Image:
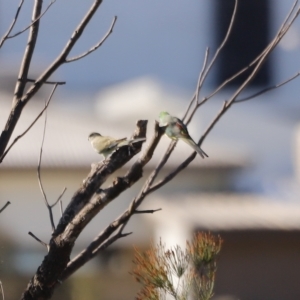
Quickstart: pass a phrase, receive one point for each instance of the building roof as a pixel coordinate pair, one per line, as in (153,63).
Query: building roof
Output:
(218,212)
(69,124)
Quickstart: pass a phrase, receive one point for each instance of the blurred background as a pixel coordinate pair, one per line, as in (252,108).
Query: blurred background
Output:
(248,189)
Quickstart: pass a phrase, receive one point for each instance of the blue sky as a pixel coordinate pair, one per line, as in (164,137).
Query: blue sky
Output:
(156,38)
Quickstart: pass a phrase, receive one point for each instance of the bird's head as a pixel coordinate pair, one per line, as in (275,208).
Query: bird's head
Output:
(163,118)
(93,135)
(162,114)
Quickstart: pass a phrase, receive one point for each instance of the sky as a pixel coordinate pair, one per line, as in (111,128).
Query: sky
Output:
(165,40)
(162,39)
(153,38)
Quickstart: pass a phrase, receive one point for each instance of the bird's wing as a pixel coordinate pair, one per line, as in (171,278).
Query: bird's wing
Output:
(113,143)
(183,129)
(121,142)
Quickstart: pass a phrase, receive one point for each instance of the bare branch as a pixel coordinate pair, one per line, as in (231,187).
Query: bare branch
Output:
(226,106)
(37,239)
(97,45)
(187,161)
(26,28)
(207,70)
(279,32)
(203,74)
(49,207)
(106,195)
(2,290)
(59,198)
(30,126)
(221,46)
(61,207)
(147,211)
(61,59)
(4,206)
(33,34)
(40,161)
(48,82)
(21,100)
(64,237)
(148,187)
(12,24)
(268,89)
(260,60)
(196,95)
(81,202)
(18,105)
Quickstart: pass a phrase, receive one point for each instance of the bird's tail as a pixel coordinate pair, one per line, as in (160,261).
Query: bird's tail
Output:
(195,147)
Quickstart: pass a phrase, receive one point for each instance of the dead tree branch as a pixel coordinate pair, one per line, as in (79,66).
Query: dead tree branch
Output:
(31,125)
(73,221)
(104,197)
(204,74)
(4,206)
(49,207)
(18,105)
(3,39)
(38,240)
(8,36)
(268,89)
(227,104)
(291,17)
(97,45)
(21,99)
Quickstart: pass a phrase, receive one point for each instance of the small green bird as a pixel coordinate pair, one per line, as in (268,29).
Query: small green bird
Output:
(106,145)
(176,129)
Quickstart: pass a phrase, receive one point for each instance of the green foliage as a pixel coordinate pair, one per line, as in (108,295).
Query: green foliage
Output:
(178,272)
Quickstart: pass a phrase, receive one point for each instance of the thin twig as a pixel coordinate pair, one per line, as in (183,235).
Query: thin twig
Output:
(49,207)
(223,84)
(26,61)
(30,126)
(4,206)
(217,53)
(232,100)
(191,157)
(59,198)
(97,45)
(147,211)
(148,187)
(268,89)
(38,240)
(47,82)
(130,177)
(112,239)
(18,105)
(2,290)
(12,24)
(21,100)
(229,30)
(61,207)
(37,19)
(39,174)
(202,77)
(207,70)
(196,95)
(61,59)
(109,241)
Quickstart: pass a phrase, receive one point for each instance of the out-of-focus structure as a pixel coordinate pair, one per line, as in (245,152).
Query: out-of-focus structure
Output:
(247,191)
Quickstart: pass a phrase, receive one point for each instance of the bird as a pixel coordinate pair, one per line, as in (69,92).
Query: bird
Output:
(175,129)
(106,145)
